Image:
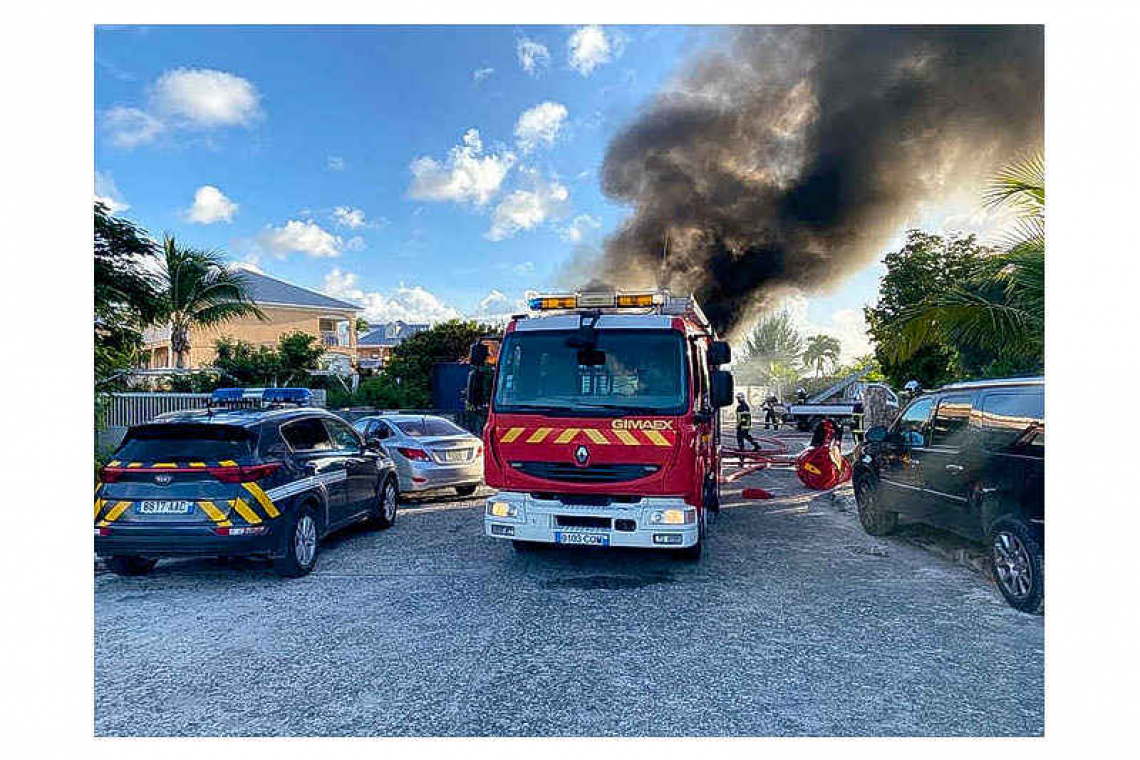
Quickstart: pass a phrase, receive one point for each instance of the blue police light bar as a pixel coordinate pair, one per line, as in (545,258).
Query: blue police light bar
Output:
(228,394)
(287,395)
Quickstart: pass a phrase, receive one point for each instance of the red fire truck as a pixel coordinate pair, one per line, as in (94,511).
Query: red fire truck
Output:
(603,425)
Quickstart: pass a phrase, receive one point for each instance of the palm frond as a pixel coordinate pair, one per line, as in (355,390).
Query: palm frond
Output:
(1020,184)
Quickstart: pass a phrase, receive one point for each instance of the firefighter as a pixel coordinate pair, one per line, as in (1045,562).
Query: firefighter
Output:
(770,413)
(744,424)
(801,396)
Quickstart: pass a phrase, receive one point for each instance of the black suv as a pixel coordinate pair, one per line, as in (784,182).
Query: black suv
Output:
(969,458)
(258,481)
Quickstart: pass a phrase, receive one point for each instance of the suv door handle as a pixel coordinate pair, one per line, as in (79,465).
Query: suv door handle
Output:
(954,469)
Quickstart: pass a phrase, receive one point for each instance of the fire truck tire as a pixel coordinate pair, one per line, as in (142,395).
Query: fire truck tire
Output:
(526,547)
(876,520)
(130,565)
(693,553)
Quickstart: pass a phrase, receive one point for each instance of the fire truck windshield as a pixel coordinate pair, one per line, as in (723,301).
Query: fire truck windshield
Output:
(627,372)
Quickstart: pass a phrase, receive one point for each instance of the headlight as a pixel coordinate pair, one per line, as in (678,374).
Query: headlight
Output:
(673,517)
(503,509)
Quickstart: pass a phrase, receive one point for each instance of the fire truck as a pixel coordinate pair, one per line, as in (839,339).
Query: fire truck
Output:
(603,422)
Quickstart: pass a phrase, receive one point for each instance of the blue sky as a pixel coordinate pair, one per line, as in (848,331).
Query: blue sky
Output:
(424,172)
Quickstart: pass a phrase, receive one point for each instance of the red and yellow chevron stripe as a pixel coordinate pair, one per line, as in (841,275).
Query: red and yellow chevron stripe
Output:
(599,436)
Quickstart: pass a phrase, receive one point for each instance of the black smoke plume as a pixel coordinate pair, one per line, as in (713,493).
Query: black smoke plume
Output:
(788,156)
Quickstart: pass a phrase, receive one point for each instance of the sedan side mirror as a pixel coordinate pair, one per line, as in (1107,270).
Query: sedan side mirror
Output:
(721,387)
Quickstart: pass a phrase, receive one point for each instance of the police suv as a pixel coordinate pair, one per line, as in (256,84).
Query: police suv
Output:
(254,474)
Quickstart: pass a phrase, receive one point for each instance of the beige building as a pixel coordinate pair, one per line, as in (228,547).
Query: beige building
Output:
(288,308)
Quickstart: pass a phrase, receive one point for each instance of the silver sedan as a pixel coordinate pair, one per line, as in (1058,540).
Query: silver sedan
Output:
(430,452)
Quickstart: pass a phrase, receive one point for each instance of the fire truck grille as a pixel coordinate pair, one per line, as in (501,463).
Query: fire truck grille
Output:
(597,473)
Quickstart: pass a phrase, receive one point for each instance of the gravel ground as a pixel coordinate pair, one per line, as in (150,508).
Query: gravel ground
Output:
(794,623)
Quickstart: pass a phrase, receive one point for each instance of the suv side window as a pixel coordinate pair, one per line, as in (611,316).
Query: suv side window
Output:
(913,420)
(1014,421)
(951,422)
(343,436)
(306,434)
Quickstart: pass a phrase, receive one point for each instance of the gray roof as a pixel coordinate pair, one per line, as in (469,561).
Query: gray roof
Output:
(265,289)
(390,334)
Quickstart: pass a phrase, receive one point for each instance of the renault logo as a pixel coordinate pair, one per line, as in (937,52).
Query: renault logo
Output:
(581,456)
(163,480)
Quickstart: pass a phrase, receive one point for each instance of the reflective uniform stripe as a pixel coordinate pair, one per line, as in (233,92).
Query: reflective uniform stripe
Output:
(538,436)
(566,435)
(596,436)
(214,513)
(512,434)
(114,512)
(656,438)
(244,510)
(626,437)
(265,502)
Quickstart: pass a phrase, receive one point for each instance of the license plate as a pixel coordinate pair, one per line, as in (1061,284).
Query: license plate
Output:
(582,539)
(165,507)
(455,456)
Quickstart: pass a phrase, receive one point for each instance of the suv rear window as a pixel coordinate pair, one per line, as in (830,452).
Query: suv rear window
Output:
(428,426)
(185,443)
(1013,421)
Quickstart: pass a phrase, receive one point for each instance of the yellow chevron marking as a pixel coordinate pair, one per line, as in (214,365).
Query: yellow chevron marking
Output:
(512,434)
(566,435)
(99,507)
(538,436)
(626,437)
(246,513)
(265,502)
(212,511)
(98,486)
(113,463)
(135,464)
(197,464)
(656,438)
(164,464)
(228,463)
(114,512)
(596,436)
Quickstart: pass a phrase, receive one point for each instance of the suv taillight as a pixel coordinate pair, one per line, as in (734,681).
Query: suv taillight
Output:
(110,474)
(244,473)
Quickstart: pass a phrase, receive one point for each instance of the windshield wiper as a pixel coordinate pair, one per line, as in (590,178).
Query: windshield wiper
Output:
(621,408)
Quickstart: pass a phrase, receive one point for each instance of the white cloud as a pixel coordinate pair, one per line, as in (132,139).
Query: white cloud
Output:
(525,268)
(526,209)
(300,237)
(577,230)
(533,56)
(539,125)
(131,126)
(590,47)
(408,303)
(207,98)
(480,74)
(494,301)
(211,205)
(355,244)
(108,194)
(249,263)
(466,175)
(353,218)
(336,164)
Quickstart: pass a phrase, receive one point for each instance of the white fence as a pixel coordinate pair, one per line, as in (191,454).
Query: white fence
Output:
(126,409)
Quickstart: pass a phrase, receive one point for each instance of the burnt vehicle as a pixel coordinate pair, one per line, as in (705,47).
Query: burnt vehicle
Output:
(267,478)
(968,458)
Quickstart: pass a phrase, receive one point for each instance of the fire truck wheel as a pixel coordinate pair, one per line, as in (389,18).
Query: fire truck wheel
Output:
(526,547)
(876,520)
(130,565)
(693,553)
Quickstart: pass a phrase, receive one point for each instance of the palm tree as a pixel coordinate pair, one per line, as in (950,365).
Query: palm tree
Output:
(1000,308)
(822,351)
(198,290)
(771,350)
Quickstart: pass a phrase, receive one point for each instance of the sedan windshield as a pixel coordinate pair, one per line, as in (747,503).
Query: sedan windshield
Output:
(626,371)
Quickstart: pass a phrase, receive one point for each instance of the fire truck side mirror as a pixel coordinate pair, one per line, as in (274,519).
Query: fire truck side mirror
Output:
(476,398)
(719,353)
(721,387)
(478,354)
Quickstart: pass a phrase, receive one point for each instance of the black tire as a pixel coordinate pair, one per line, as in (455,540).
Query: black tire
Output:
(466,490)
(1019,565)
(303,528)
(130,565)
(526,547)
(693,553)
(387,504)
(875,519)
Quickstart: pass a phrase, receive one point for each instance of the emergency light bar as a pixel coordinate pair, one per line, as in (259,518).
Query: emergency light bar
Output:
(299,396)
(637,300)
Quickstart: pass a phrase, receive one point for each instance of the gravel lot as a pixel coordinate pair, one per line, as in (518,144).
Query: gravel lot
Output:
(794,623)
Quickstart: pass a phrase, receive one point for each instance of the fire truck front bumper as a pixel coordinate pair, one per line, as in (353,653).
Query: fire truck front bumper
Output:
(658,522)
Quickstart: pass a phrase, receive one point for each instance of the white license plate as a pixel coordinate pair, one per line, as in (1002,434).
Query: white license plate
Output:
(582,539)
(455,456)
(165,507)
